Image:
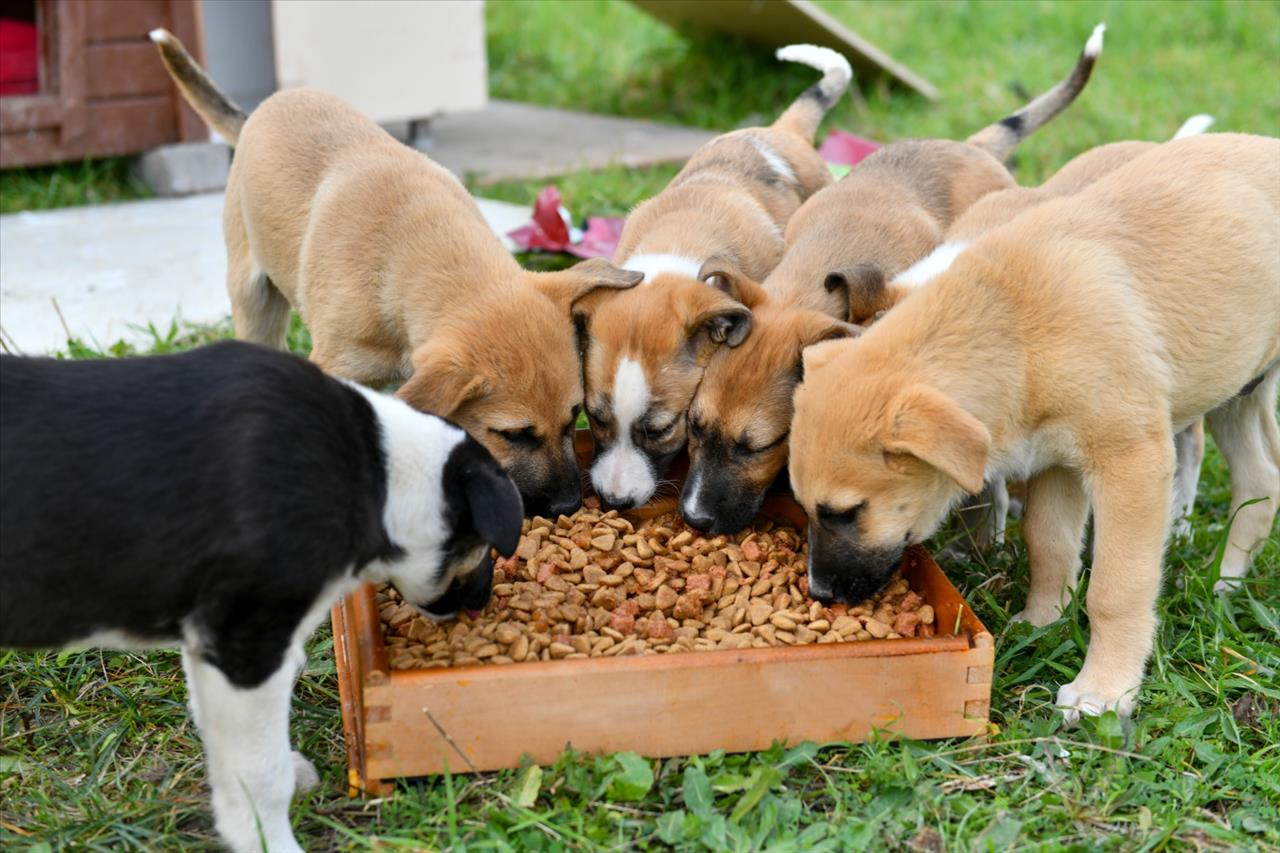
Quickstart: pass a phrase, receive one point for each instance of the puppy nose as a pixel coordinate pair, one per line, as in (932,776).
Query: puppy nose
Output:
(697,520)
(565,505)
(620,504)
(820,590)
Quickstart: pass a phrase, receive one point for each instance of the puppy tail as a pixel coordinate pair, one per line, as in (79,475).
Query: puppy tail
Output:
(805,114)
(1002,137)
(217,110)
(1194,126)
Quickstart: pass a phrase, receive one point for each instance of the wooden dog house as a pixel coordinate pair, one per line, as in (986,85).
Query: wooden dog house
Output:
(99,90)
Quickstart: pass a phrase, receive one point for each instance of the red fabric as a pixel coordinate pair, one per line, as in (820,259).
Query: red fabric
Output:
(19,58)
(845,148)
(550,230)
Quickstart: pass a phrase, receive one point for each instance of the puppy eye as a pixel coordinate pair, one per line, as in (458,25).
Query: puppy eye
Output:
(525,436)
(666,432)
(836,518)
(596,417)
(697,429)
(745,448)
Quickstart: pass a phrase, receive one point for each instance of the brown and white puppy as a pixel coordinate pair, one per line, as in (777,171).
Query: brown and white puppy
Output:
(721,217)
(1066,347)
(985,518)
(887,213)
(393,269)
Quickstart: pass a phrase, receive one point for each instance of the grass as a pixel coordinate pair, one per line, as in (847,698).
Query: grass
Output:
(97,751)
(68,185)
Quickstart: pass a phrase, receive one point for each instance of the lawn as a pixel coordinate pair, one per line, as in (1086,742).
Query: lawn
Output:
(97,751)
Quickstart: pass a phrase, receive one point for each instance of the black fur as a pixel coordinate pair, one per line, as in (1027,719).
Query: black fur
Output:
(1251,385)
(842,570)
(1014,123)
(219,489)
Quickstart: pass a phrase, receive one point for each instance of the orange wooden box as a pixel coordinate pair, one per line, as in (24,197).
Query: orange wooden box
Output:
(404,723)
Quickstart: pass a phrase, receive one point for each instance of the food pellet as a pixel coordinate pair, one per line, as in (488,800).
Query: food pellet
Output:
(599,584)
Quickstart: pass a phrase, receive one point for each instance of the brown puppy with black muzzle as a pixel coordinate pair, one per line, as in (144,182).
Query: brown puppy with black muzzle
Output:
(721,217)
(887,213)
(1066,347)
(395,272)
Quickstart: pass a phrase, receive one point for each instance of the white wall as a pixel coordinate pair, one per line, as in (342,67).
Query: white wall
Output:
(394,60)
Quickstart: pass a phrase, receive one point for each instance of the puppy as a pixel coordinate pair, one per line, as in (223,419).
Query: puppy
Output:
(985,518)
(1066,347)
(888,212)
(397,276)
(721,217)
(222,500)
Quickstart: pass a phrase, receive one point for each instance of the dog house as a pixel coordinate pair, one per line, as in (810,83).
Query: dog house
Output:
(79,78)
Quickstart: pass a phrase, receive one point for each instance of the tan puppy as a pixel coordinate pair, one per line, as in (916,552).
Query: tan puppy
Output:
(1067,347)
(393,269)
(986,516)
(888,212)
(723,215)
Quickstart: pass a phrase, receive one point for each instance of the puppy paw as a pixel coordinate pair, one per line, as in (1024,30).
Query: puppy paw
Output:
(305,776)
(1227,586)
(1037,617)
(1079,698)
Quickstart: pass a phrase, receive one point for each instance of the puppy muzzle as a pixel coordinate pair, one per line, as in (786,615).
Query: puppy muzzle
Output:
(468,593)
(842,570)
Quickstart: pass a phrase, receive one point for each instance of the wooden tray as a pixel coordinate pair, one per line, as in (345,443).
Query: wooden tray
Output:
(403,723)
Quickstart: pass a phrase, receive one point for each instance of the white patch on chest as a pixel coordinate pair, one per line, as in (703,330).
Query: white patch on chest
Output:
(113,638)
(653,265)
(621,474)
(417,447)
(775,160)
(1042,449)
(932,265)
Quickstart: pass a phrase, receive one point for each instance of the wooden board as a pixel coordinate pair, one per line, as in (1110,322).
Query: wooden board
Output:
(406,723)
(776,23)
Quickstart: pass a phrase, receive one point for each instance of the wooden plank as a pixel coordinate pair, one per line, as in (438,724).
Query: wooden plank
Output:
(186,21)
(124,69)
(22,113)
(665,705)
(118,127)
(71,71)
(775,23)
(111,20)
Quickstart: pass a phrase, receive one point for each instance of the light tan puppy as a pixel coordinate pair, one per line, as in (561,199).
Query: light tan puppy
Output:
(887,213)
(397,276)
(1066,347)
(985,518)
(722,216)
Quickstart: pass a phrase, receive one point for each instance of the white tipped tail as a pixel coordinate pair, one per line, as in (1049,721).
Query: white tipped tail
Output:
(1194,126)
(1093,46)
(836,72)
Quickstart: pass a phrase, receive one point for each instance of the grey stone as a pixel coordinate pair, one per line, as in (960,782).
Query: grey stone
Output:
(512,141)
(186,168)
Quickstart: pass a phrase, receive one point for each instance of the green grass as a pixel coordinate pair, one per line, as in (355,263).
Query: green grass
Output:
(69,184)
(97,751)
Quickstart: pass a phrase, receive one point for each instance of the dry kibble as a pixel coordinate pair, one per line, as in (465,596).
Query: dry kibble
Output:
(597,584)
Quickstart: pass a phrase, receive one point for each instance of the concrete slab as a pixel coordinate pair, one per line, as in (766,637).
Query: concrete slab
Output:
(512,141)
(113,268)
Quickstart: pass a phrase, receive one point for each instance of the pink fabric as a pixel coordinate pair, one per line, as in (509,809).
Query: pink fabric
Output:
(551,231)
(846,149)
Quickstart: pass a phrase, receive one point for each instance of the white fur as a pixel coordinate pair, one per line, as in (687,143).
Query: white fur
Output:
(774,159)
(932,265)
(417,446)
(836,72)
(158,35)
(1093,46)
(621,474)
(116,639)
(653,265)
(1194,126)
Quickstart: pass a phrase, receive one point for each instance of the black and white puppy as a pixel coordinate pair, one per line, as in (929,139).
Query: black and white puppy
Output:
(221,500)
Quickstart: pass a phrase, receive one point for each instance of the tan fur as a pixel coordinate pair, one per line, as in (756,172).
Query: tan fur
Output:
(1001,207)
(1080,336)
(726,210)
(396,274)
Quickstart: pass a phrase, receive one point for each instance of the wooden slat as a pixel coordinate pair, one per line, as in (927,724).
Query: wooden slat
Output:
(111,20)
(675,704)
(71,82)
(22,113)
(118,127)
(123,69)
(186,21)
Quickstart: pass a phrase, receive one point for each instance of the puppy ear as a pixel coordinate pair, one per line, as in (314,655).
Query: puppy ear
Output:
(712,321)
(930,426)
(441,382)
(566,287)
(724,274)
(494,501)
(814,327)
(864,290)
(817,356)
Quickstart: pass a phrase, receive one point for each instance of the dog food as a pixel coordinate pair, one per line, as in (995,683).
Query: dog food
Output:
(600,584)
